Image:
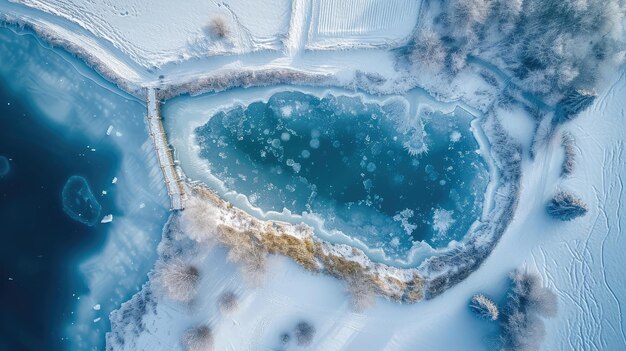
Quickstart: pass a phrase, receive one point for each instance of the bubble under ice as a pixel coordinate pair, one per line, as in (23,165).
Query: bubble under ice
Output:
(79,202)
(5,167)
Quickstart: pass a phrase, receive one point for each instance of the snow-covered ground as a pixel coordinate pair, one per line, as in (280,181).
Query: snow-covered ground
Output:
(147,46)
(145,31)
(580,260)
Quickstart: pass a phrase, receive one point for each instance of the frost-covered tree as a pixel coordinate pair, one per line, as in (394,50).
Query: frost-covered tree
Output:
(198,338)
(573,103)
(304,333)
(218,28)
(550,47)
(178,279)
(566,207)
(484,307)
(428,51)
(528,303)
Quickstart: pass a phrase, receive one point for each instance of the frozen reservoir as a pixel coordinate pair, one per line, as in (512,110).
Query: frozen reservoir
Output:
(369,169)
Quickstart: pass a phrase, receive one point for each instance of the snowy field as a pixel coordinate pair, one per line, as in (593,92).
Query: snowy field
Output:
(146,33)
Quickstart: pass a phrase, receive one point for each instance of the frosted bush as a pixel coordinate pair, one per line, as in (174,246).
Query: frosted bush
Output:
(199,220)
(178,279)
(566,207)
(198,339)
(484,307)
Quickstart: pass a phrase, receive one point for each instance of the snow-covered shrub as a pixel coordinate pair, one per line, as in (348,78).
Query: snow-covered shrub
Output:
(484,307)
(198,338)
(528,303)
(228,302)
(566,207)
(218,28)
(304,333)
(569,147)
(199,220)
(178,279)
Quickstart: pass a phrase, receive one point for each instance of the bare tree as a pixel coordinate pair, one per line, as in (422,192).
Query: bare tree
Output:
(178,279)
(304,333)
(218,28)
(198,338)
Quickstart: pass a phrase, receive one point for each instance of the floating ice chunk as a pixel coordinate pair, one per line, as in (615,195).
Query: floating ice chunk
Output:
(286,111)
(109,130)
(107,219)
(305,154)
(5,166)
(314,143)
(442,220)
(371,167)
(79,202)
(296,167)
(96,307)
(118,134)
(104,192)
(455,136)
(395,242)
(403,217)
(142,205)
(285,136)
(114,180)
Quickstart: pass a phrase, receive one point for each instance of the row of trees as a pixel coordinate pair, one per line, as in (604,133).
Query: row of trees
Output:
(547,45)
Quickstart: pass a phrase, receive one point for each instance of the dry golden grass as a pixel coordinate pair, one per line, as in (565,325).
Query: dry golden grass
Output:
(341,267)
(415,289)
(243,247)
(300,250)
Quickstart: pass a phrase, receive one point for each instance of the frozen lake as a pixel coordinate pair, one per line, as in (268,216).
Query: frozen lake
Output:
(391,173)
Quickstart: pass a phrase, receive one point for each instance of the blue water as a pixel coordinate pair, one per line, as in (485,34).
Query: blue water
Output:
(364,167)
(41,244)
(55,113)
